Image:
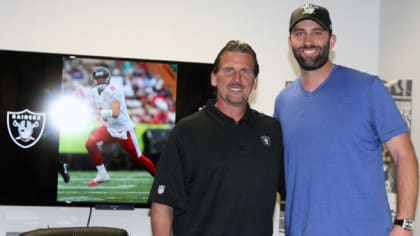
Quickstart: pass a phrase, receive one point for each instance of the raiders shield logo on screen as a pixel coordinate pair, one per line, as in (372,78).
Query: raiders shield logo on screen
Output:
(25,127)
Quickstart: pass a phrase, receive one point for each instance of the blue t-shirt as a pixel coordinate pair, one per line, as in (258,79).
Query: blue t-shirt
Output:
(333,154)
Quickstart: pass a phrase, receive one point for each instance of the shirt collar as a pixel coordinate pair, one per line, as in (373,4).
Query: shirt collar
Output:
(223,119)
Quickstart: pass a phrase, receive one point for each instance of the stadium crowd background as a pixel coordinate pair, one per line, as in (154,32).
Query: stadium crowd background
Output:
(149,87)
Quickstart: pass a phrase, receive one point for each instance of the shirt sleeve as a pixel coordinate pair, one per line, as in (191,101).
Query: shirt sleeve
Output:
(169,185)
(386,116)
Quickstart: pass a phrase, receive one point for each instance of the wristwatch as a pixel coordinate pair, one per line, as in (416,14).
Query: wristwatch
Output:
(407,224)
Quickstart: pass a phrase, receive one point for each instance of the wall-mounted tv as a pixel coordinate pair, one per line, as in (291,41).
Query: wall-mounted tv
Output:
(46,115)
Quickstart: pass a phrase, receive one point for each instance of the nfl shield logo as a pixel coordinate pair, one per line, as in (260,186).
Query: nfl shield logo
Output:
(25,127)
(266,140)
(161,189)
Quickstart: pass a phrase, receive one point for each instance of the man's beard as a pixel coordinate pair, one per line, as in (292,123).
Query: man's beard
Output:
(317,62)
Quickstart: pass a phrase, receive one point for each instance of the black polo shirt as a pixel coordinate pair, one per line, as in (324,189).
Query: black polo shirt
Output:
(220,176)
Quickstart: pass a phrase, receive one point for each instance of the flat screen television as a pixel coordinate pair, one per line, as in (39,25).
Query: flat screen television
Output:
(46,116)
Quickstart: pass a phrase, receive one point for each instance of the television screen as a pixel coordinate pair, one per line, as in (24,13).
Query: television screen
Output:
(48,113)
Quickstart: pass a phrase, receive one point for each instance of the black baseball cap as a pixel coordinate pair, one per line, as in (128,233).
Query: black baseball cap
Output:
(313,12)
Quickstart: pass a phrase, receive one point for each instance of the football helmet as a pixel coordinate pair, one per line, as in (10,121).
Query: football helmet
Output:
(101,72)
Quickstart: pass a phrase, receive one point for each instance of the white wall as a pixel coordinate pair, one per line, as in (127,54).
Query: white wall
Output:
(185,30)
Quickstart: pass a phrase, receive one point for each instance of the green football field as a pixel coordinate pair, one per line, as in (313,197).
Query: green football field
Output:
(123,187)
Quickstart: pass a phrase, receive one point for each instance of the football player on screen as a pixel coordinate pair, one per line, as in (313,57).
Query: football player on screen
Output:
(117,126)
